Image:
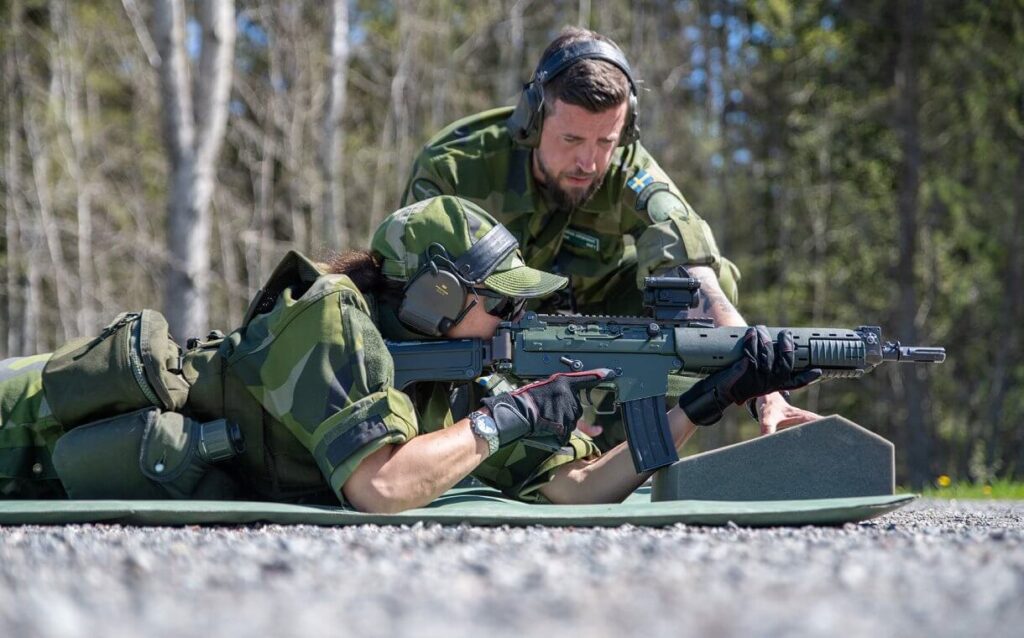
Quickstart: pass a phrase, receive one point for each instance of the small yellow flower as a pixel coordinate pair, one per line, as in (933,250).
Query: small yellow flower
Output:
(987,490)
(944,481)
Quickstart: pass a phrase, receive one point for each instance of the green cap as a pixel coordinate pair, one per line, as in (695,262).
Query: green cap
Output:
(404,238)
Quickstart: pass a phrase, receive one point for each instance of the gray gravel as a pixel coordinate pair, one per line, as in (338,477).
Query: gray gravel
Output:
(934,568)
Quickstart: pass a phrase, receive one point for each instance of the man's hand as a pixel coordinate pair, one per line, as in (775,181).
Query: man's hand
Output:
(775,413)
(550,407)
(765,367)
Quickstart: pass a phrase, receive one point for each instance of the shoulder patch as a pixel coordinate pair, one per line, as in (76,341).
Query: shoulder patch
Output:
(640,180)
(660,203)
(424,188)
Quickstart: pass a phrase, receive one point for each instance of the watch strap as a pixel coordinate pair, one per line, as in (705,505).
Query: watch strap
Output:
(484,427)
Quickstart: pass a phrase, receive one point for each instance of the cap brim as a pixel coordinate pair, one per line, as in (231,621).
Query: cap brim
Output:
(525,282)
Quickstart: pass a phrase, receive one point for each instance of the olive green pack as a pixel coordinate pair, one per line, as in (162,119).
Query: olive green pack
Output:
(132,364)
(147,454)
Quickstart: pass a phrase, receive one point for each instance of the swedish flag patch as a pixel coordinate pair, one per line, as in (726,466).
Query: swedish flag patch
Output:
(638,181)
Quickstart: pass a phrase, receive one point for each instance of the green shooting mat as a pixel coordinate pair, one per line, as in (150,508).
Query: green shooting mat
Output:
(457,507)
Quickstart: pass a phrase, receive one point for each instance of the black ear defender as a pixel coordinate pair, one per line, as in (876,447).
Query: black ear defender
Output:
(433,301)
(435,298)
(525,123)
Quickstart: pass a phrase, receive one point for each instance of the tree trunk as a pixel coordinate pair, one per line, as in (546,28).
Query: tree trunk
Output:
(335,223)
(583,20)
(70,75)
(389,162)
(193,130)
(1009,349)
(46,223)
(14,285)
(512,54)
(906,85)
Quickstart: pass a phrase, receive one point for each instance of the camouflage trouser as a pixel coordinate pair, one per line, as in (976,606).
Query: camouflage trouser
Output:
(28,431)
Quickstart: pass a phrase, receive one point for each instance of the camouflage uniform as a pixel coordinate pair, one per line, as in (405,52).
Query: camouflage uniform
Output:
(309,382)
(607,246)
(28,431)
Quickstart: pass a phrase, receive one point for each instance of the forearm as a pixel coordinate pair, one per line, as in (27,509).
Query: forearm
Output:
(611,477)
(713,301)
(413,474)
(773,410)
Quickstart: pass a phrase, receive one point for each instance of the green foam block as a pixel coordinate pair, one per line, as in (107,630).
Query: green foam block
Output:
(824,459)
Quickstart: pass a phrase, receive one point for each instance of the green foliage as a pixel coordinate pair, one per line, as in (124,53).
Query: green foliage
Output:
(997,490)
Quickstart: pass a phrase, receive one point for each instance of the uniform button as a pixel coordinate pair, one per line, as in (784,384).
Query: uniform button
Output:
(37,468)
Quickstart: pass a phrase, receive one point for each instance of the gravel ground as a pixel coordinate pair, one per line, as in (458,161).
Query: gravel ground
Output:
(934,568)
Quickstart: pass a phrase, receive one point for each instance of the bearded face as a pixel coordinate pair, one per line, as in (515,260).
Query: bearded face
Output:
(575,151)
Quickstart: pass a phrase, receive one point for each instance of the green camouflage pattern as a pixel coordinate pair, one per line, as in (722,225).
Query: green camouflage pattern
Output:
(476,159)
(406,235)
(316,367)
(28,430)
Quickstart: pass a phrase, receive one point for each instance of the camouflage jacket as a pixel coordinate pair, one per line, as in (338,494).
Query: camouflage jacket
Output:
(311,384)
(475,158)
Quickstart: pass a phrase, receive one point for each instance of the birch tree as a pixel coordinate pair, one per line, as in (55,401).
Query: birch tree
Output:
(335,222)
(194,117)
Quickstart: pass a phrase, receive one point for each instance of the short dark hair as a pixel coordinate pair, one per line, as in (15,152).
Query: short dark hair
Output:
(595,85)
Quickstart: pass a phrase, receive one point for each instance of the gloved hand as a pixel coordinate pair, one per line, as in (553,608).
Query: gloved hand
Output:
(765,367)
(547,407)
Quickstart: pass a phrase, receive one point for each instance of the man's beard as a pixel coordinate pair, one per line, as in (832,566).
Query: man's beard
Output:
(564,199)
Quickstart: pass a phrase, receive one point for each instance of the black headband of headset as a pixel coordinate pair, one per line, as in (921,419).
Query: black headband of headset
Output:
(485,255)
(587,49)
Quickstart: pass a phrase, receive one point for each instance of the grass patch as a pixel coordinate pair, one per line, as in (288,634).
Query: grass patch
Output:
(944,488)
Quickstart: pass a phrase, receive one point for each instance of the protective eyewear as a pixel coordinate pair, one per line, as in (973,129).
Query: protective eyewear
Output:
(498,305)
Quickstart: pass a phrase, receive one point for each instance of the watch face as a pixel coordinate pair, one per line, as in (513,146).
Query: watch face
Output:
(484,427)
(485,424)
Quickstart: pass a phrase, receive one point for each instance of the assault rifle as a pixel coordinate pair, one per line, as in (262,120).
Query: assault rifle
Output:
(642,351)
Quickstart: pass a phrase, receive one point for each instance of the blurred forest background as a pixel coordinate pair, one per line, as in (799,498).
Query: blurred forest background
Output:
(861,161)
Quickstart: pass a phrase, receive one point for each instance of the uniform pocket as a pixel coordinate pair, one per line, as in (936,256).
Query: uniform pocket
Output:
(146,454)
(132,364)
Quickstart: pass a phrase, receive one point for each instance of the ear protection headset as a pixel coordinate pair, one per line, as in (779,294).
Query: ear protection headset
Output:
(526,120)
(435,297)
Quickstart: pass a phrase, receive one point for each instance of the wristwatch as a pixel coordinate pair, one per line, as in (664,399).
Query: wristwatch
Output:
(483,426)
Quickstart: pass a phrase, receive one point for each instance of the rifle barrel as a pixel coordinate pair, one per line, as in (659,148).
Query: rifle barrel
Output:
(913,354)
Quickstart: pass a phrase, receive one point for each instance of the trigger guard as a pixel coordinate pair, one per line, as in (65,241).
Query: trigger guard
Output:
(590,402)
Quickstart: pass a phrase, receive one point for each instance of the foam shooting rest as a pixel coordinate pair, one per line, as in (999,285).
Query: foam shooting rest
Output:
(824,459)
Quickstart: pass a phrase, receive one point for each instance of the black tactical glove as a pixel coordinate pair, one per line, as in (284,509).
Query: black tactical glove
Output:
(547,407)
(765,367)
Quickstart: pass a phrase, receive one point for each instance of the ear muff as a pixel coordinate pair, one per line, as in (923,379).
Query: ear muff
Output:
(631,129)
(433,301)
(435,297)
(526,122)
